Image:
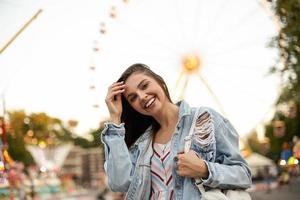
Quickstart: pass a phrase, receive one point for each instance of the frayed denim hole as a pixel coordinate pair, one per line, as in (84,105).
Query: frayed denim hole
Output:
(204,130)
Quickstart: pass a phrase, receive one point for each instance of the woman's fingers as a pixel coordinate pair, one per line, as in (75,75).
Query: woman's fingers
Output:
(190,165)
(114,93)
(113,101)
(115,84)
(117,87)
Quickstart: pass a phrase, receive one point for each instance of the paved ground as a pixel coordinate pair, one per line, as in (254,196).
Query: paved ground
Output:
(286,192)
(258,192)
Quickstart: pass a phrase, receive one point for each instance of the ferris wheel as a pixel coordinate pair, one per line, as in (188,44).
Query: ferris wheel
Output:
(210,53)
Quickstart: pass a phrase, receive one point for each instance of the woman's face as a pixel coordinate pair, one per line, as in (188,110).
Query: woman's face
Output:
(144,94)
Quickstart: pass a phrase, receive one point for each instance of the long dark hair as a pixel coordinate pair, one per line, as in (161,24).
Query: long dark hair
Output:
(135,122)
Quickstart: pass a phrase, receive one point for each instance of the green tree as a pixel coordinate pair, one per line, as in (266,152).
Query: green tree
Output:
(253,142)
(288,43)
(16,145)
(45,131)
(93,141)
(34,129)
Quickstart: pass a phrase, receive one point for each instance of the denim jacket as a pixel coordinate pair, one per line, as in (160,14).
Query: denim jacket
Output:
(128,170)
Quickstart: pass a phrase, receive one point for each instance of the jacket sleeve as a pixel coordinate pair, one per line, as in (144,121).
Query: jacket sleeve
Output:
(117,164)
(229,170)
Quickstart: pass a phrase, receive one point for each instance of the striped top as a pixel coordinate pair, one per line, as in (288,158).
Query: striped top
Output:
(162,184)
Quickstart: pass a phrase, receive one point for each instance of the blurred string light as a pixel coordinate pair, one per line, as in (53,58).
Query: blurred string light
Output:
(282,162)
(43,169)
(7,157)
(292,161)
(49,139)
(2,168)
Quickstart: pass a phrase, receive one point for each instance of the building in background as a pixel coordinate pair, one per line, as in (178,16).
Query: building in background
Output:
(85,166)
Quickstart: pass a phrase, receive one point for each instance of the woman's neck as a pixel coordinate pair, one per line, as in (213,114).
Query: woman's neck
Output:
(168,117)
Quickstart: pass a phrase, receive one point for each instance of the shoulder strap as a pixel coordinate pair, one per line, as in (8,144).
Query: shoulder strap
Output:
(187,145)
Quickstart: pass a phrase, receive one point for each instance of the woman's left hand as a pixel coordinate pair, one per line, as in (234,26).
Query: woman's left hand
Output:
(190,165)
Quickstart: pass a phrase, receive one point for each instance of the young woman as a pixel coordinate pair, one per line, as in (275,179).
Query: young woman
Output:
(144,142)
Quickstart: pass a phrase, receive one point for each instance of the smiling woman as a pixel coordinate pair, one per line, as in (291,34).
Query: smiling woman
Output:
(145,138)
(207,51)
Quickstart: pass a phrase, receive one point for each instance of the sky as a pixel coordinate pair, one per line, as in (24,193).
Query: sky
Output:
(47,68)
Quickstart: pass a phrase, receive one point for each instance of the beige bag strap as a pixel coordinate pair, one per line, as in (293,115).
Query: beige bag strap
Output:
(187,146)
(215,194)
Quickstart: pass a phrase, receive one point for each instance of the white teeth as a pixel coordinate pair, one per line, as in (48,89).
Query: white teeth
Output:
(149,102)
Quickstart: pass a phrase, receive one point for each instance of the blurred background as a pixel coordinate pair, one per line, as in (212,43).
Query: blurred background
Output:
(57,59)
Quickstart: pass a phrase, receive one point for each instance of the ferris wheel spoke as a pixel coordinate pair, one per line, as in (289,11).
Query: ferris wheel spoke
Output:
(234,48)
(150,38)
(232,66)
(197,18)
(179,20)
(232,29)
(181,76)
(167,34)
(156,57)
(216,99)
(182,91)
(233,41)
(215,22)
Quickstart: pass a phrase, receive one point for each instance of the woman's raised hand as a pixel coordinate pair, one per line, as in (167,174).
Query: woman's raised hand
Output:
(113,101)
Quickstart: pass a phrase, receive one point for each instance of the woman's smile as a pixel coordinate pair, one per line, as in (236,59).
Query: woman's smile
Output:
(150,103)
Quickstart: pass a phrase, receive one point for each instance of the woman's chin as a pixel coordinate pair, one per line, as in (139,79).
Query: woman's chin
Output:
(155,110)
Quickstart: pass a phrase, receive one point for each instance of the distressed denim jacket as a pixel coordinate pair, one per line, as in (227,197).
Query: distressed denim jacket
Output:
(128,170)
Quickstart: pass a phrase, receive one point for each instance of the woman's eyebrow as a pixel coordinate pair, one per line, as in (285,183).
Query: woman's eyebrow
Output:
(138,86)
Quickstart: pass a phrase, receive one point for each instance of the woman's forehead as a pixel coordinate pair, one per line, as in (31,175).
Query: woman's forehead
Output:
(136,78)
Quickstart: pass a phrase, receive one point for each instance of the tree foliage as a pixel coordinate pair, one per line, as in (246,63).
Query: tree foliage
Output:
(42,130)
(291,127)
(288,43)
(34,129)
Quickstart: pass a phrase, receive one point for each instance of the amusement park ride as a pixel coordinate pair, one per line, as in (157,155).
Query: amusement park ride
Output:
(191,62)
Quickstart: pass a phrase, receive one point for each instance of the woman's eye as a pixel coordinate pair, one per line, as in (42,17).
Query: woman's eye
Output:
(144,86)
(133,98)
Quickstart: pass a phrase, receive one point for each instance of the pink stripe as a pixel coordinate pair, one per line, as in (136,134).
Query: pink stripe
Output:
(169,170)
(160,196)
(161,172)
(155,187)
(165,156)
(168,148)
(157,169)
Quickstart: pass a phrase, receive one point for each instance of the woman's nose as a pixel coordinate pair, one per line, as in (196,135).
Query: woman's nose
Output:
(142,95)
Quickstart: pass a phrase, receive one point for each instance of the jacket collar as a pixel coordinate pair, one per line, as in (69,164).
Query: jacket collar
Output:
(184,110)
